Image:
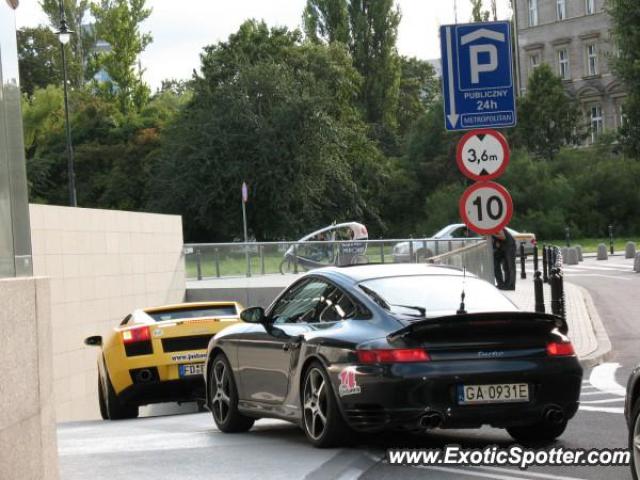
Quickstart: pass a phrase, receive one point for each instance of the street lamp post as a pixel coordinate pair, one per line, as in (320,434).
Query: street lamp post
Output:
(64,35)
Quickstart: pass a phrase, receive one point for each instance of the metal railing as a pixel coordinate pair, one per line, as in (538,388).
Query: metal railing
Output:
(219,260)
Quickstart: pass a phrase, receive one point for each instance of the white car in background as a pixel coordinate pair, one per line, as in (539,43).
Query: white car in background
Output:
(449,238)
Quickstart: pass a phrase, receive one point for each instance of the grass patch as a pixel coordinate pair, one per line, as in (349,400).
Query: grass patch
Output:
(590,245)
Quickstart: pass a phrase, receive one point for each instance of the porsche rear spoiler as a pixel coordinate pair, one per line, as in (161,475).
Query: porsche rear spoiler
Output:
(525,321)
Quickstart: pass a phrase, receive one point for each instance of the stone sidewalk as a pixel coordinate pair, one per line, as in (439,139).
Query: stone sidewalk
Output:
(586,331)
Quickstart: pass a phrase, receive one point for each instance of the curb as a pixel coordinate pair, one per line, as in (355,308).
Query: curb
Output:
(603,351)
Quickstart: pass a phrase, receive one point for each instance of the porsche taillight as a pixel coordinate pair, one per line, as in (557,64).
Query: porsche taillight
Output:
(560,349)
(136,334)
(398,355)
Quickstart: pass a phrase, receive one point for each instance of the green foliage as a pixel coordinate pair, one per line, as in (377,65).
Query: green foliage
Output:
(81,41)
(477,14)
(625,15)
(547,117)
(118,23)
(39,59)
(419,88)
(374,32)
(327,20)
(276,113)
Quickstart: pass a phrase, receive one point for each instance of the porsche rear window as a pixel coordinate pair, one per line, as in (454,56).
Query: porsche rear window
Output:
(196,312)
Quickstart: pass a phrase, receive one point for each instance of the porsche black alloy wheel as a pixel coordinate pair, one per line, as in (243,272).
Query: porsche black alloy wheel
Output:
(322,421)
(224,398)
(634,441)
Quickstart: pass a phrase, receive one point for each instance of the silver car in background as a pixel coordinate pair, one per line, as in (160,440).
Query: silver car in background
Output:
(450,238)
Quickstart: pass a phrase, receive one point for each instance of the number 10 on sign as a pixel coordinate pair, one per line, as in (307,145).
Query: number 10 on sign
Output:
(486,208)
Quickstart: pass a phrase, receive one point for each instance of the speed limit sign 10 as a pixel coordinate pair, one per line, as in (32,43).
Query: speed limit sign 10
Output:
(486,208)
(483,154)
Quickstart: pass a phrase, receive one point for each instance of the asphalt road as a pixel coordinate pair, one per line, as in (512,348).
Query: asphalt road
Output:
(189,446)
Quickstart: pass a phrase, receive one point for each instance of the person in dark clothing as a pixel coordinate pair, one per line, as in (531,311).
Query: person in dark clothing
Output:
(504,260)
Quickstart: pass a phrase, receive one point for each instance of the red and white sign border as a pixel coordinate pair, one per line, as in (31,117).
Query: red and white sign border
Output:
(460,151)
(470,191)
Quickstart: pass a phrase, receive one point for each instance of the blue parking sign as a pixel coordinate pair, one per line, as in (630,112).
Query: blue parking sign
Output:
(477,76)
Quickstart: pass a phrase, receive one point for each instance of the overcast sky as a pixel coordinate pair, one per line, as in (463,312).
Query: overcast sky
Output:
(182,28)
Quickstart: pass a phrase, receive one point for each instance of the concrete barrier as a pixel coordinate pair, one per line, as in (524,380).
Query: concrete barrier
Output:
(27,417)
(630,250)
(636,263)
(579,250)
(563,252)
(571,257)
(602,252)
(102,264)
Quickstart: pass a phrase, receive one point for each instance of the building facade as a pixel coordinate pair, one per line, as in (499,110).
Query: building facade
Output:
(574,38)
(15,241)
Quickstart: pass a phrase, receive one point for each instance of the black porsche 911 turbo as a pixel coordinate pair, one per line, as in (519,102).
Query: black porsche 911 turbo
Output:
(377,347)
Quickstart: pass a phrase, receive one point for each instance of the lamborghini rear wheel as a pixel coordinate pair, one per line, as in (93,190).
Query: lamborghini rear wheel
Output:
(114,408)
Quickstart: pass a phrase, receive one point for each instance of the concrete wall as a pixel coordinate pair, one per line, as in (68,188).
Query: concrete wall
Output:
(27,421)
(102,265)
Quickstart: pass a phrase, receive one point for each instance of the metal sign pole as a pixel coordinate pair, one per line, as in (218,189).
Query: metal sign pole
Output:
(244,224)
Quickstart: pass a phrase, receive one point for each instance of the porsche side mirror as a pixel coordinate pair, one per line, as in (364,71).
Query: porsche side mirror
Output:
(95,341)
(253,315)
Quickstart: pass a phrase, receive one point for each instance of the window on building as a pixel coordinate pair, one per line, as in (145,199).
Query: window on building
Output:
(533,13)
(563,64)
(590,7)
(534,61)
(592,59)
(561,9)
(597,122)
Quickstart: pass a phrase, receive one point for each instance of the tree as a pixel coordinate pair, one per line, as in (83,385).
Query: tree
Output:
(327,20)
(277,113)
(39,59)
(374,33)
(477,14)
(626,18)
(81,41)
(118,23)
(419,88)
(547,117)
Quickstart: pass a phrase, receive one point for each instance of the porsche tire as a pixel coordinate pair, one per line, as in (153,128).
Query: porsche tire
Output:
(223,398)
(322,420)
(117,410)
(634,439)
(538,433)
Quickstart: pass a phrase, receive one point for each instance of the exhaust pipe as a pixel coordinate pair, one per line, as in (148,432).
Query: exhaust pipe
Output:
(430,420)
(145,375)
(554,416)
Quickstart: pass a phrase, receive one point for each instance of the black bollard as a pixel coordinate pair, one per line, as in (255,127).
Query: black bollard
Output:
(555,292)
(611,238)
(535,258)
(563,306)
(545,265)
(523,273)
(198,264)
(539,292)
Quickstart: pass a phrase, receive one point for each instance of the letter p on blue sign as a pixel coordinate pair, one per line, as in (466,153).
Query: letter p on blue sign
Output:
(477,76)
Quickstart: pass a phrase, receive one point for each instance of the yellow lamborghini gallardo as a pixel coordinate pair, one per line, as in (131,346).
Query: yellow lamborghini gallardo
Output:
(157,355)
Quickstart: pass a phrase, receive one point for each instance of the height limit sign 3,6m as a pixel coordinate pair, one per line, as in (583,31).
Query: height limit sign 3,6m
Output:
(483,155)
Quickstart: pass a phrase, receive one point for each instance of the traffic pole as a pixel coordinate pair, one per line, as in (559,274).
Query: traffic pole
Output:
(244,224)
